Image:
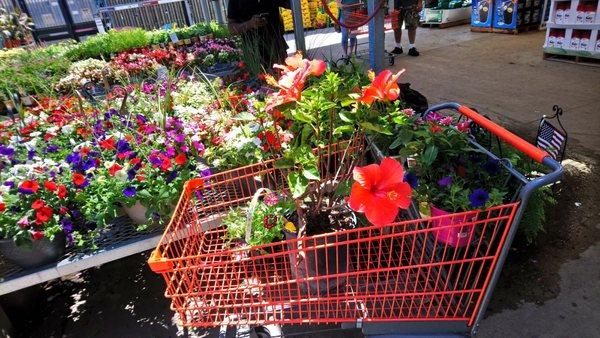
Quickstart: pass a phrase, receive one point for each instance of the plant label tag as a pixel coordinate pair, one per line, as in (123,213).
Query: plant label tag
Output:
(173,37)
(161,73)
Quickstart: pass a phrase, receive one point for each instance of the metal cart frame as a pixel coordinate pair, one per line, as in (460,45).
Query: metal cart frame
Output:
(193,268)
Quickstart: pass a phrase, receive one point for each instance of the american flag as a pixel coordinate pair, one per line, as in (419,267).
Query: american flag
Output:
(550,139)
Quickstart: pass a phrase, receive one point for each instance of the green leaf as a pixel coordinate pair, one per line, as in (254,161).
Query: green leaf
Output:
(311,173)
(297,183)
(284,163)
(346,117)
(343,129)
(430,154)
(371,127)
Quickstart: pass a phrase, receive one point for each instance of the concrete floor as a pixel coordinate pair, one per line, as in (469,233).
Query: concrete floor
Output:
(501,75)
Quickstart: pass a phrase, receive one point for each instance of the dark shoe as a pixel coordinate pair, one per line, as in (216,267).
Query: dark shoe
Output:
(397,51)
(413,52)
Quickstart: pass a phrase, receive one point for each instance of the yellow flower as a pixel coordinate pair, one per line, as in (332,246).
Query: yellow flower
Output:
(290,227)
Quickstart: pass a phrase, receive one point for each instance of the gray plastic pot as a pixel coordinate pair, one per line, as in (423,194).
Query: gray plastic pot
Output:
(41,252)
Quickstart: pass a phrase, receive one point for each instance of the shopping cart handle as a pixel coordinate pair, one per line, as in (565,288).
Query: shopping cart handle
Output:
(527,148)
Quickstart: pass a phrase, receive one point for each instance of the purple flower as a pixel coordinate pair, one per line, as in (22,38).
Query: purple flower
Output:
(206,172)
(52,148)
(171,177)
(433,116)
(445,181)
(492,166)
(129,191)
(170,151)
(479,198)
(73,158)
(141,119)
(123,146)
(411,179)
(6,151)
(9,184)
(67,225)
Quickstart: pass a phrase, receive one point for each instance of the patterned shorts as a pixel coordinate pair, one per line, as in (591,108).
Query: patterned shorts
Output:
(409,16)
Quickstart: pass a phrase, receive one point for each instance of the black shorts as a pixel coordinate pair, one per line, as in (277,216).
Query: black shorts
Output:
(408,13)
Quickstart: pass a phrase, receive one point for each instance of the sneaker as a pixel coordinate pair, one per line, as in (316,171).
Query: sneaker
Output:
(397,51)
(413,52)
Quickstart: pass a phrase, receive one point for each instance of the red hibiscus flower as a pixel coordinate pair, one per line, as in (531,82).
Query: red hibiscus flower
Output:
(50,186)
(62,192)
(43,214)
(37,204)
(78,179)
(383,88)
(379,190)
(37,235)
(291,83)
(180,159)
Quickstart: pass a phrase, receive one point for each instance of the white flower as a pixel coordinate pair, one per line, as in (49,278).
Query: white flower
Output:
(121,175)
(257,141)
(35,134)
(254,127)
(67,129)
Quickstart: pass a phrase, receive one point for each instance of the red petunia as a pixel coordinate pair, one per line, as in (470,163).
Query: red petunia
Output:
(180,159)
(62,192)
(140,178)
(383,88)
(2,207)
(135,160)
(50,186)
(379,191)
(30,186)
(43,214)
(37,204)
(37,235)
(78,179)
(108,144)
(114,168)
(85,151)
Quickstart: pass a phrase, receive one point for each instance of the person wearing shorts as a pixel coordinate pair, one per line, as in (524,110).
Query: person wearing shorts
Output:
(409,15)
(345,8)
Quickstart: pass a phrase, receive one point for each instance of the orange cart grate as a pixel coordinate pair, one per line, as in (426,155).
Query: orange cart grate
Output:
(405,271)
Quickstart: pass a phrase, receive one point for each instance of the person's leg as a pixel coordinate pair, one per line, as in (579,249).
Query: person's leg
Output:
(345,41)
(398,32)
(353,45)
(412,22)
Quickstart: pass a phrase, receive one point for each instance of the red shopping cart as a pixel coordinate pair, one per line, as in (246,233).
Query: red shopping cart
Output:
(403,278)
(356,19)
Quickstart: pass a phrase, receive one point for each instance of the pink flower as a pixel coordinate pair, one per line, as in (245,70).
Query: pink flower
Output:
(23,223)
(446,121)
(464,126)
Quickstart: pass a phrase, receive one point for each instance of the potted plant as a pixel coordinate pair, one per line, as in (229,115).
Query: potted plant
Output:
(15,27)
(330,112)
(36,213)
(448,175)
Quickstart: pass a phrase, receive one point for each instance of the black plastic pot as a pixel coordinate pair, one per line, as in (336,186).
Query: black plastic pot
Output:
(320,262)
(41,252)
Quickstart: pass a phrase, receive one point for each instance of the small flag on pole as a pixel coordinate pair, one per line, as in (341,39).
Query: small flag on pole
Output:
(550,139)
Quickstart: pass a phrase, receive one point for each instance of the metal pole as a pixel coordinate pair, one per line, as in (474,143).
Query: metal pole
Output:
(205,12)
(376,37)
(298,25)
(188,13)
(218,11)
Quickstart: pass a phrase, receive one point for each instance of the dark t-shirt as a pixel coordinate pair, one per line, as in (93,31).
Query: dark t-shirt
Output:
(267,41)
(400,4)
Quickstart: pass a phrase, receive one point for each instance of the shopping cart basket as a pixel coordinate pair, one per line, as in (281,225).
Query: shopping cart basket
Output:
(356,19)
(401,278)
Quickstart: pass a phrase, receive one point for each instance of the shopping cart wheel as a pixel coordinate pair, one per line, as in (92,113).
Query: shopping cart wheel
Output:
(392,60)
(268,331)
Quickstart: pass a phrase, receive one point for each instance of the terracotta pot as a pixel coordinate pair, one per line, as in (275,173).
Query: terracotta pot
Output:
(41,252)
(452,232)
